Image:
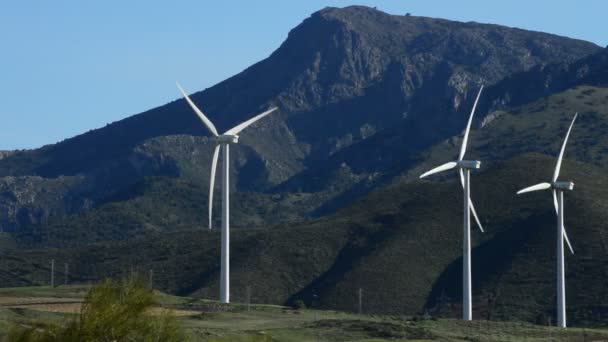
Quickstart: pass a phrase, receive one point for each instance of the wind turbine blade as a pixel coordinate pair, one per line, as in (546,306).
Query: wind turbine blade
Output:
(465,139)
(471,206)
(216,153)
(198,112)
(541,186)
(444,167)
(555,202)
(557,213)
(568,241)
(475,215)
(236,129)
(561,152)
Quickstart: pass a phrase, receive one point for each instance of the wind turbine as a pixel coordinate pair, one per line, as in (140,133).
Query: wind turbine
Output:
(464,167)
(223,141)
(558,188)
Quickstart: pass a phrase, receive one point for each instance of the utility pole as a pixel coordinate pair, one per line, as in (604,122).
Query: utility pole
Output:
(314,299)
(151,279)
(52,272)
(360,301)
(248,298)
(312,305)
(65,274)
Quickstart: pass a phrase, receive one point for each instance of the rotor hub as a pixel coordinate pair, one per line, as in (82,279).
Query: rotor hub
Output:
(563,185)
(227,139)
(469,164)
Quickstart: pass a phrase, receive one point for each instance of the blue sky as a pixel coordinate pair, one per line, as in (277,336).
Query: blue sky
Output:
(70,66)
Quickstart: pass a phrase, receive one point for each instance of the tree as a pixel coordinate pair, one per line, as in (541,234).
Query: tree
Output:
(112,311)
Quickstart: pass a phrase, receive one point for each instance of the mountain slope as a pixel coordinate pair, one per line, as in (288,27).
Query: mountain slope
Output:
(542,81)
(169,204)
(401,245)
(538,126)
(391,152)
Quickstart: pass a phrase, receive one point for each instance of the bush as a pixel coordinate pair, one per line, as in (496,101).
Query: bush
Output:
(112,311)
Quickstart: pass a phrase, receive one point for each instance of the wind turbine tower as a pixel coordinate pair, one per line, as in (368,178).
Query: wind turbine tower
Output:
(223,142)
(558,188)
(464,169)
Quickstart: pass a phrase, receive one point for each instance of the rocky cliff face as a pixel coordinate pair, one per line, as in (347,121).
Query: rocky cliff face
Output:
(350,84)
(357,71)
(29,200)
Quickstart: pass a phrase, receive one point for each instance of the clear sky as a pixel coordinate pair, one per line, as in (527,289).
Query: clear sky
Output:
(70,66)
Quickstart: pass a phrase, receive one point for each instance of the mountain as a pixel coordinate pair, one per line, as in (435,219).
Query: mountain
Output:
(327,193)
(343,80)
(400,244)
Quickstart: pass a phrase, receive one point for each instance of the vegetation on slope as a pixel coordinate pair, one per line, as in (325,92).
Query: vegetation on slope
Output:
(164,204)
(401,245)
(539,127)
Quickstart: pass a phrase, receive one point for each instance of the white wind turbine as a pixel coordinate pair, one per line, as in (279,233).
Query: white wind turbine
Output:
(558,188)
(223,141)
(464,167)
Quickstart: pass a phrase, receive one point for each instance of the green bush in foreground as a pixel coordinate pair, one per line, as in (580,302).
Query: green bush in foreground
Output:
(112,311)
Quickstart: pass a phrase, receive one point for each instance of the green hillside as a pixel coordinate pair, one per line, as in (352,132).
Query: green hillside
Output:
(164,204)
(170,204)
(401,245)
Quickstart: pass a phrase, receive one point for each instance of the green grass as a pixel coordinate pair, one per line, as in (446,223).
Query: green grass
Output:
(70,291)
(275,323)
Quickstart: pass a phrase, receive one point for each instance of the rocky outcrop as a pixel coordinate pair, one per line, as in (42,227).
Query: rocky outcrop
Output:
(30,200)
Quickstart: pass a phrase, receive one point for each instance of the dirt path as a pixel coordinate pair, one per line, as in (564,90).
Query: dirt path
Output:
(71,305)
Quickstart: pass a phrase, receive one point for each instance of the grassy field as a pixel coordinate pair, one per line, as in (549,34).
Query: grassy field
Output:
(206,320)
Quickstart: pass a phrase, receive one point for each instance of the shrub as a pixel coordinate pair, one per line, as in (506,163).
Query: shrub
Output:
(112,311)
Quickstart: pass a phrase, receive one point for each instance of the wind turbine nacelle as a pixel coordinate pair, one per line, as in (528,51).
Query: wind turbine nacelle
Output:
(563,185)
(228,139)
(469,164)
